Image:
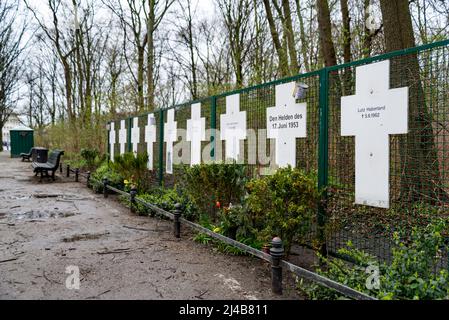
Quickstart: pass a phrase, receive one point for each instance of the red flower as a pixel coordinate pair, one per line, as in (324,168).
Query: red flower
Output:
(218,204)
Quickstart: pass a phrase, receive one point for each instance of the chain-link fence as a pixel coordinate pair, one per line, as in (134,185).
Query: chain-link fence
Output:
(417,160)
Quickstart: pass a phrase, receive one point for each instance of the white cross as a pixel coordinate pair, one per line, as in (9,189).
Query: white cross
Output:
(371,115)
(122,136)
(233,126)
(170,136)
(286,122)
(135,134)
(196,132)
(150,138)
(112,140)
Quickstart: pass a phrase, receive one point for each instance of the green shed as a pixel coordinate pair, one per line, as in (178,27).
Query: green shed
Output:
(22,140)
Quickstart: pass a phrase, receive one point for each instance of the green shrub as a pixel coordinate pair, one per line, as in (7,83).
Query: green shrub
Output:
(207,184)
(166,200)
(134,169)
(202,238)
(282,204)
(235,224)
(76,163)
(92,157)
(105,171)
(411,274)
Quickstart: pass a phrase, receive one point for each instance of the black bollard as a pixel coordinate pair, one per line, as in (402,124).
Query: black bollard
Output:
(60,167)
(68,171)
(77,172)
(276,252)
(105,187)
(133,194)
(176,221)
(88,179)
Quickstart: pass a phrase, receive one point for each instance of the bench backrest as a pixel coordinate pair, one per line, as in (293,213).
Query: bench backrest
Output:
(31,151)
(55,157)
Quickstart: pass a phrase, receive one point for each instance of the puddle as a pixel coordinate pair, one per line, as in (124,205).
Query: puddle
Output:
(84,236)
(67,197)
(44,195)
(16,197)
(45,214)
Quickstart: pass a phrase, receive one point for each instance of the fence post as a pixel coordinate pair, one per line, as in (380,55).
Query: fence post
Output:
(133,194)
(161,146)
(77,172)
(213,126)
(323,157)
(88,179)
(176,221)
(276,252)
(128,132)
(105,187)
(108,129)
(68,171)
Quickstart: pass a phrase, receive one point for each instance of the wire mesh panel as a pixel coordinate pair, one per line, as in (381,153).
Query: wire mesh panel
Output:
(142,123)
(418,182)
(181,149)
(117,142)
(158,164)
(257,150)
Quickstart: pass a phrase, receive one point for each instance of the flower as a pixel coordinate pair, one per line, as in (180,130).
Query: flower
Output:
(216,230)
(125,181)
(218,204)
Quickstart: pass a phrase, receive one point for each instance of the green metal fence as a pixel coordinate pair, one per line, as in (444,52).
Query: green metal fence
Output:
(418,160)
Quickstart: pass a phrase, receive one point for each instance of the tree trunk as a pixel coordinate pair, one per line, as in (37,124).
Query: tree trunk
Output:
(68,88)
(346,45)
(367,39)
(342,148)
(304,44)
(80,74)
(194,76)
(282,54)
(294,66)
(150,57)
(140,62)
(1,136)
(420,177)
(325,32)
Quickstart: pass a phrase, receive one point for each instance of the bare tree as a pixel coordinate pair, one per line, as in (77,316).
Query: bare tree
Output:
(11,47)
(136,18)
(186,47)
(157,9)
(215,59)
(63,46)
(280,49)
(236,15)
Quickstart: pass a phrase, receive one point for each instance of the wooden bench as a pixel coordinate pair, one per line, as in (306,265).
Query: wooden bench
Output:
(27,156)
(51,165)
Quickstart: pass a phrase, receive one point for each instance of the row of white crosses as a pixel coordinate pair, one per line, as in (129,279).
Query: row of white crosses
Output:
(371,115)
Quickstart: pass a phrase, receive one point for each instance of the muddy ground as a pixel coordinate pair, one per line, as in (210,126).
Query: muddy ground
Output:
(49,226)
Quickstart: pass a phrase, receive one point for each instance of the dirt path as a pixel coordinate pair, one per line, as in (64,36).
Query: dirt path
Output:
(47,227)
